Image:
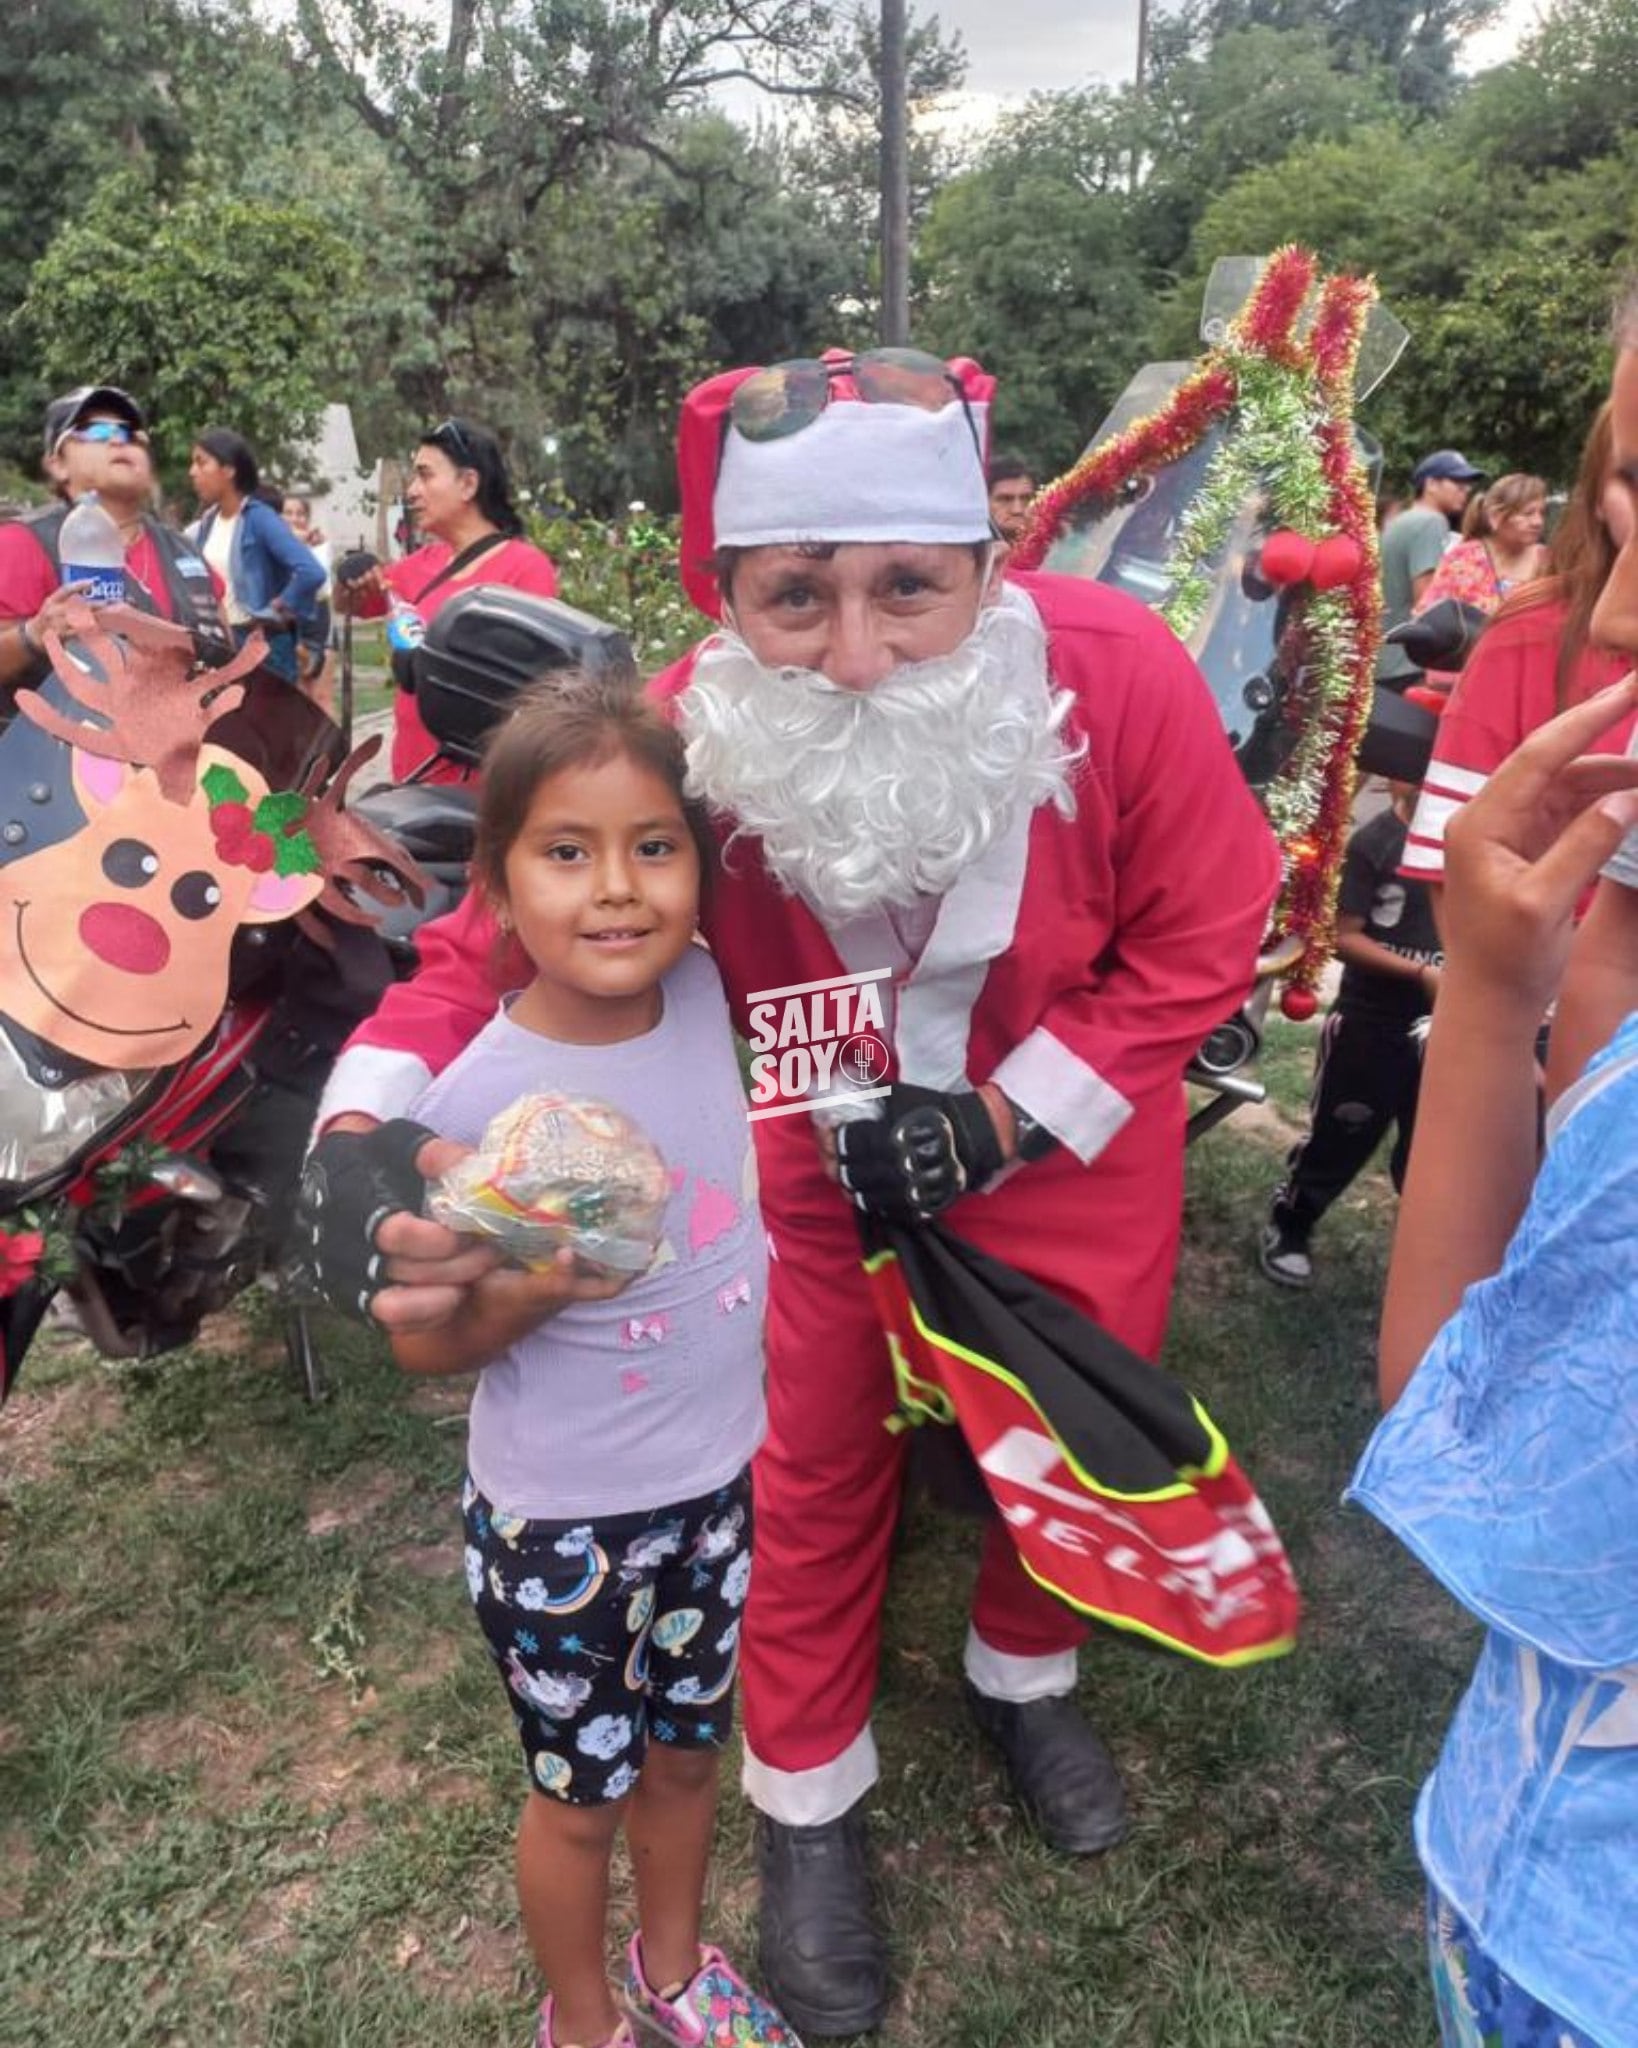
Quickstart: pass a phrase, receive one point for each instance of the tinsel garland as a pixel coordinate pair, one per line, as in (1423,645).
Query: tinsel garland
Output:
(1285,391)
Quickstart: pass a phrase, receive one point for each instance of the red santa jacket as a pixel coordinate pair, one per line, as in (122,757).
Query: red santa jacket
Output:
(1079,963)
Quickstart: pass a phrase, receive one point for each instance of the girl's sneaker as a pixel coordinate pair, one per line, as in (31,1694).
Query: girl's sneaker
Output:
(716,2008)
(545,2037)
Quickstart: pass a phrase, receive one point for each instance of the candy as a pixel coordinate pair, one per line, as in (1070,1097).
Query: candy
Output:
(556,1171)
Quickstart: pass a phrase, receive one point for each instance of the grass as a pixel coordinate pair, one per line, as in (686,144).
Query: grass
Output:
(257,1785)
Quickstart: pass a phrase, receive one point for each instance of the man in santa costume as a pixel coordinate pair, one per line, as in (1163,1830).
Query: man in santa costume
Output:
(1013,801)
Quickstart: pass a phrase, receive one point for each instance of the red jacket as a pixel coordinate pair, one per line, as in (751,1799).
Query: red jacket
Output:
(1079,963)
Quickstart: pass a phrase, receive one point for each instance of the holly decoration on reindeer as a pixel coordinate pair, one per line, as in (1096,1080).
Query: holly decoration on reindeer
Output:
(115,942)
(1275,396)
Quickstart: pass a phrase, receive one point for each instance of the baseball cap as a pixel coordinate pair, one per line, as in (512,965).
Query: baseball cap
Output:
(1448,463)
(66,412)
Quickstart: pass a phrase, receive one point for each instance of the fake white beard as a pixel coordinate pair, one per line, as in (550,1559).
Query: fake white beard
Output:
(868,798)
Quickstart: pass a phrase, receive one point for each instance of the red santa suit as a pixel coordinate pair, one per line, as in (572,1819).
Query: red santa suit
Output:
(1078,963)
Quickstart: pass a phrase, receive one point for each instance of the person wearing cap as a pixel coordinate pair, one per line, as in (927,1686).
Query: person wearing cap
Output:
(1414,544)
(1010,807)
(96,440)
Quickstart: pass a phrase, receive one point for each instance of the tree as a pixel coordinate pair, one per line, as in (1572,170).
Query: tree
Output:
(647,278)
(1030,262)
(833,155)
(83,90)
(1415,44)
(521,106)
(214,308)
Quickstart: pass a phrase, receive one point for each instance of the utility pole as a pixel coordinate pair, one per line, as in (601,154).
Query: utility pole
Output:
(895,213)
(1142,50)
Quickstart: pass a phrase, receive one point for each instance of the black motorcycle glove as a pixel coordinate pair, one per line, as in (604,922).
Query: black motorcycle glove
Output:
(352,1182)
(924,1154)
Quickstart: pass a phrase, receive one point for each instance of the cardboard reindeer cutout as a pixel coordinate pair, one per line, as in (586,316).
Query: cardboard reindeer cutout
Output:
(115,941)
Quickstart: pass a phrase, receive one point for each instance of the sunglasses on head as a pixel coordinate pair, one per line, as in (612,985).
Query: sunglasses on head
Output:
(117,433)
(786,397)
(450,435)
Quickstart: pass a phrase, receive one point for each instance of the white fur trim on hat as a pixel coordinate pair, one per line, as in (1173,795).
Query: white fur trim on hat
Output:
(859,472)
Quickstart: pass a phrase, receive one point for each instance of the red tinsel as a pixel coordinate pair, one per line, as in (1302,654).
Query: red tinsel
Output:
(1268,320)
(1271,323)
(1197,404)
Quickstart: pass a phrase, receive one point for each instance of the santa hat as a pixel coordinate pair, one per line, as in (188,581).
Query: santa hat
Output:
(858,472)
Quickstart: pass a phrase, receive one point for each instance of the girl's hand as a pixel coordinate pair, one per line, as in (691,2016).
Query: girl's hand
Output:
(1521,854)
(548,1290)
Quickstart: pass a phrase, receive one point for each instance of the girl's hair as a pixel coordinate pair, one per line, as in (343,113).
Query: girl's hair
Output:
(1580,556)
(235,453)
(1508,494)
(475,448)
(572,719)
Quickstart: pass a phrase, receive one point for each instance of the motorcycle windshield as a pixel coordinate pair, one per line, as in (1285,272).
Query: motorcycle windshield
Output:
(1130,547)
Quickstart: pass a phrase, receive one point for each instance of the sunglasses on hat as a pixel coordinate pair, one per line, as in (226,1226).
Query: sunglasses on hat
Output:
(786,397)
(104,433)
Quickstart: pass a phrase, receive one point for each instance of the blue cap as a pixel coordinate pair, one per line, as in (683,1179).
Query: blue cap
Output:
(1449,464)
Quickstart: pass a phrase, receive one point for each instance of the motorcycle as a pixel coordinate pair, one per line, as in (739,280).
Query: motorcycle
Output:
(150,1195)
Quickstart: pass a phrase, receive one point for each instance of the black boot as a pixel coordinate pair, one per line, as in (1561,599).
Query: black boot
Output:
(822,1952)
(1063,1776)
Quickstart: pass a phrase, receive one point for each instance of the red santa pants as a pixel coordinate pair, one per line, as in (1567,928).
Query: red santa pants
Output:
(829,1476)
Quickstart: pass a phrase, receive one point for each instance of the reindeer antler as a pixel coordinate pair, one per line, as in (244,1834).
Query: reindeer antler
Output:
(158,710)
(353,852)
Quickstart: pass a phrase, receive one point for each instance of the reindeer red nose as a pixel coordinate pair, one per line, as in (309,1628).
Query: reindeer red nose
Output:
(125,937)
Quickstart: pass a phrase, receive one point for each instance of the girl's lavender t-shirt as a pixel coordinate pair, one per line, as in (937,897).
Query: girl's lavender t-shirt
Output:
(655,1396)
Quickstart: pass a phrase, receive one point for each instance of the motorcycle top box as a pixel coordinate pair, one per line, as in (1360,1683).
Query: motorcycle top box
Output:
(489,643)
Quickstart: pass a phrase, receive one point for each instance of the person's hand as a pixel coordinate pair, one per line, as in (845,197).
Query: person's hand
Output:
(60,613)
(361,1239)
(546,1290)
(1427,980)
(431,1271)
(1519,855)
(349,594)
(924,1153)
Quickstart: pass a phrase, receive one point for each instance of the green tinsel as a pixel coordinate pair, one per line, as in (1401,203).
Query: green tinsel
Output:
(1272,444)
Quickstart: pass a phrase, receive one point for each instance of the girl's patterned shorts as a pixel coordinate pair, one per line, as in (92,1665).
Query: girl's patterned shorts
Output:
(613,1633)
(1479,2004)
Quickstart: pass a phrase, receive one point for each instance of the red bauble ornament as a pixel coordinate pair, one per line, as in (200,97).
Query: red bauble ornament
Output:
(1299,1004)
(1338,559)
(1287,557)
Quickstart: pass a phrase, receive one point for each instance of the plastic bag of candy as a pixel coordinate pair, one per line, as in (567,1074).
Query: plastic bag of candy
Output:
(556,1170)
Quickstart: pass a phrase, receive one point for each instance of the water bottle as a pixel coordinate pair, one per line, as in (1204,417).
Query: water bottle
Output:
(406,628)
(92,551)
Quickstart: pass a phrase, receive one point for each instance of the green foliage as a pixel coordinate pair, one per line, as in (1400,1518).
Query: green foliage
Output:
(625,573)
(1498,236)
(213,308)
(269,1802)
(1031,263)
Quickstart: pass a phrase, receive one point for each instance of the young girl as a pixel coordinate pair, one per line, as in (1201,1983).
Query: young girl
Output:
(1509,1356)
(608,1502)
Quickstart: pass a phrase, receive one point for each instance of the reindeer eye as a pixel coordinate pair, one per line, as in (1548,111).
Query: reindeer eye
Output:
(129,864)
(195,895)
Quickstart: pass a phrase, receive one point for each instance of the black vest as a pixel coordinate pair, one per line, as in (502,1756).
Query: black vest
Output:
(187,583)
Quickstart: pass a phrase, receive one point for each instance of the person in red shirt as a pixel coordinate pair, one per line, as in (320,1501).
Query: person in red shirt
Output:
(1008,807)
(458,493)
(1535,660)
(96,440)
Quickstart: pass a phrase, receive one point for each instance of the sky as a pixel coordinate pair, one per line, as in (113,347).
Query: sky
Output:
(1016,47)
